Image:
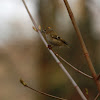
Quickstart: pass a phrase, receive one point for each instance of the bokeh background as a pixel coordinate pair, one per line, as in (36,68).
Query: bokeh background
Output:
(23,54)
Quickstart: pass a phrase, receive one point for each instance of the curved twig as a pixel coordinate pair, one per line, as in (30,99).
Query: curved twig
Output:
(43,93)
(73,67)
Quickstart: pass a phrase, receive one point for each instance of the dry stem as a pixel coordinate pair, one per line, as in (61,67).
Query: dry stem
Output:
(82,44)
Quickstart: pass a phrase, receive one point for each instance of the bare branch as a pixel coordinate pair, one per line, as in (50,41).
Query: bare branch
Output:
(97,96)
(82,44)
(54,56)
(74,67)
(43,93)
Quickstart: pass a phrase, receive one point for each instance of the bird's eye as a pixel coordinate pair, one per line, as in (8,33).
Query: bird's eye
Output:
(58,37)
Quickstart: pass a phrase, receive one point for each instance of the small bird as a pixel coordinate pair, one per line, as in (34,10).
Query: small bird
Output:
(53,39)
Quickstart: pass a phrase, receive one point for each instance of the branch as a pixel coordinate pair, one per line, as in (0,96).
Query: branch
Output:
(54,56)
(82,44)
(74,67)
(43,93)
(97,96)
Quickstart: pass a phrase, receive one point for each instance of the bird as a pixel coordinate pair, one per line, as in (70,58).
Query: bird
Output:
(53,39)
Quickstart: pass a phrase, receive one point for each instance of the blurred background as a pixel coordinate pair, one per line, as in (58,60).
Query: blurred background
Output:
(23,54)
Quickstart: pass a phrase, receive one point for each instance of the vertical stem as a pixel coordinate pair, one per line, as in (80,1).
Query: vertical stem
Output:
(82,45)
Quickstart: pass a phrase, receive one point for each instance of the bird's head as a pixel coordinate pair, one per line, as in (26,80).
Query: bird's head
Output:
(48,30)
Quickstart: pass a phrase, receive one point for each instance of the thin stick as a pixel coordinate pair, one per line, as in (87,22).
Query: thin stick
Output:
(74,67)
(97,96)
(82,44)
(43,93)
(54,56)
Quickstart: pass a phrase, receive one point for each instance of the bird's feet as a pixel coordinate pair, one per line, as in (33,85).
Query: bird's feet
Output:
(49,46)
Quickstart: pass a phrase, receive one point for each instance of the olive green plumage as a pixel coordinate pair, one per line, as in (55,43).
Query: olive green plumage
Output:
(53,39)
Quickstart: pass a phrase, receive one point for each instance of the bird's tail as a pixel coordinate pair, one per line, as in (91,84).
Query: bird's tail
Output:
(66,43)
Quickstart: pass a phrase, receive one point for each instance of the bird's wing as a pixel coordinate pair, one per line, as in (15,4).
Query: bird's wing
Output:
(55,36)
(64,41)
(58,38)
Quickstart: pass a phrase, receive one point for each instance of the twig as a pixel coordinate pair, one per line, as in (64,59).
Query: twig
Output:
(82,44)
(73,67)
(43,93)
(54,56)
(97,96)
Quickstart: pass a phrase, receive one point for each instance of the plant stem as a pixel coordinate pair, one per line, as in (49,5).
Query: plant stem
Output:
(82,45)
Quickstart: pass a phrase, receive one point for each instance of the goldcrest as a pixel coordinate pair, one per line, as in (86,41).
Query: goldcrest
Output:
(53,39)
